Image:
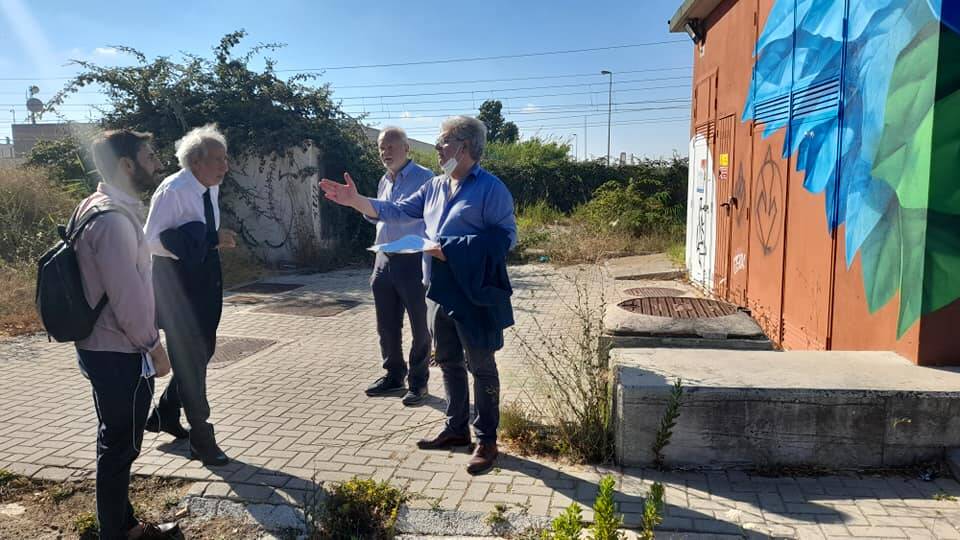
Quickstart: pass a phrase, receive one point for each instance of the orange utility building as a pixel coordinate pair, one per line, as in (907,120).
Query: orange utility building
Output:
(824,191)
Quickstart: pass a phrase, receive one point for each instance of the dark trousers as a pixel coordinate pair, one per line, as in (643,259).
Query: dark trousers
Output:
(397,284)
(122,399)
(189,305)
(456,358)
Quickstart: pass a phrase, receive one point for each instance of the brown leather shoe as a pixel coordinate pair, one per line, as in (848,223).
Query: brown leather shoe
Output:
(483,458)
(444,440)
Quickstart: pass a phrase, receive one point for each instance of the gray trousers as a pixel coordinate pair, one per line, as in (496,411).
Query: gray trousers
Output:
(397,284)
(455,358)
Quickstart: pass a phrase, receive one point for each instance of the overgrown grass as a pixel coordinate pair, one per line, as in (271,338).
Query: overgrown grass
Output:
(241,266)
(619,221)
(32,207)
(570,415)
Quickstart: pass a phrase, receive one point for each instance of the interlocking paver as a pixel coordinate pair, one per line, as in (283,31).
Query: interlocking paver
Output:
(295,412)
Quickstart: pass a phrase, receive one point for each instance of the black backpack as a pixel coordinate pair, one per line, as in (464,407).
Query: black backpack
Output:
(62,306)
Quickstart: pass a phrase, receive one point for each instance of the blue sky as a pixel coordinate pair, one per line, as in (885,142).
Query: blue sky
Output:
(548,96)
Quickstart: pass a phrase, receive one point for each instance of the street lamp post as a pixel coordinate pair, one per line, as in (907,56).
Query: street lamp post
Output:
(609,111)
(576,147)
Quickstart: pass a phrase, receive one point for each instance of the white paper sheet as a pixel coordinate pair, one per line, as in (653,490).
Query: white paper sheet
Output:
(410,243)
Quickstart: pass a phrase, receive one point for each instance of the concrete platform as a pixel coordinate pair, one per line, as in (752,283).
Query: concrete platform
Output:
(749,408)
(654,266)
(623,329)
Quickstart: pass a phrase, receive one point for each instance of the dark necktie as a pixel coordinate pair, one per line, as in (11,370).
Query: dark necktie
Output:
(212,237)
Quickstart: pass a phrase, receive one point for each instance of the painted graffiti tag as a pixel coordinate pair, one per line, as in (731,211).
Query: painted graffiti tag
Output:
(739,262)
(740,193)
(769,187)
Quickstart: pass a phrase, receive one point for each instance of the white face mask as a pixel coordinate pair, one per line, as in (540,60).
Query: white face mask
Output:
(450,165)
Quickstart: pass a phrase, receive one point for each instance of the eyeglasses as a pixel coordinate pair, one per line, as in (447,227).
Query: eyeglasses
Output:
(443,143)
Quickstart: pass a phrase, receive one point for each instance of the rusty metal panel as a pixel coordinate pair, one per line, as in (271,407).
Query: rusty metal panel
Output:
(723,154)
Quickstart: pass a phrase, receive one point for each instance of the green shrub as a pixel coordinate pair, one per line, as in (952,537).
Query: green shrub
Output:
(87,526)
(606,521)
(639,208)
(357,508)
(568,525)
(652,511)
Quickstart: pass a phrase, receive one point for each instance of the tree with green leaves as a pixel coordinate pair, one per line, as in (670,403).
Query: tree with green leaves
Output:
(498,129)
(263,117)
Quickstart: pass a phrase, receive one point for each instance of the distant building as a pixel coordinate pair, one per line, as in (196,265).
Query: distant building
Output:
(26,136)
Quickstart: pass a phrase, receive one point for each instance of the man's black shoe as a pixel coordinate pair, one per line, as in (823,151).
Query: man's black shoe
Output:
(415,397)
(175,429)
(210,454)
(384,386)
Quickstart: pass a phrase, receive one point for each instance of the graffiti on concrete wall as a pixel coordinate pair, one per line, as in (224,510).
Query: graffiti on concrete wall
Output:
(888,173)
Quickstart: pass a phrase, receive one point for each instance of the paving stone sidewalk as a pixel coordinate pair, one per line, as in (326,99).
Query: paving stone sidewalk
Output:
(293,411)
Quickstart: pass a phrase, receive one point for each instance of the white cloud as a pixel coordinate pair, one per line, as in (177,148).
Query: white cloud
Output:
(29,34)
(530,108)
(105,51)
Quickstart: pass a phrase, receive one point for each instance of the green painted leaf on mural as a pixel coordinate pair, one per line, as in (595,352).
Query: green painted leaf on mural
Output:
(945,175)
(893,258)
(942,265)
(903,155)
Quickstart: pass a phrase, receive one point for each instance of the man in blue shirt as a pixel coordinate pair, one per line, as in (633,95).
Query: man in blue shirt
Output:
(463,204)
(397,280)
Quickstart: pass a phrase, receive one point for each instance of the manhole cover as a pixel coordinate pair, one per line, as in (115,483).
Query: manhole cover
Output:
(267,288)
(678,307)
(309,307)
(653,291)
(231,349)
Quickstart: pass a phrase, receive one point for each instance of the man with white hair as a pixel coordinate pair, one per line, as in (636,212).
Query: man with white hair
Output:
(469,213)
(183,230)
(397,280)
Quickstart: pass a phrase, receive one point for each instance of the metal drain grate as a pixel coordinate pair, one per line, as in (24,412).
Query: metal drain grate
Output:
(267,288)
(678,307)
(653,291)
(231,349)
(309,307)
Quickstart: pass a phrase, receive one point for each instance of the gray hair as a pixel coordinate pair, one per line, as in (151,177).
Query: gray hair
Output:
(195,144)
(393,132)
(467,129)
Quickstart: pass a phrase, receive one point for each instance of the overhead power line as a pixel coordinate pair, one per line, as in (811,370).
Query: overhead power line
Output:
(485,58)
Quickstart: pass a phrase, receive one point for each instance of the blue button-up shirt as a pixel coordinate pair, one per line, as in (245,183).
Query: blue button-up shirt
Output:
(408,180)
(482,201)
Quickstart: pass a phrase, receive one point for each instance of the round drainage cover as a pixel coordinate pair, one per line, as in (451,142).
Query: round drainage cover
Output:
(678,307)
(653,291)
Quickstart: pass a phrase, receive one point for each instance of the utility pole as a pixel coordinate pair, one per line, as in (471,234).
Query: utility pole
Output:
(609,111)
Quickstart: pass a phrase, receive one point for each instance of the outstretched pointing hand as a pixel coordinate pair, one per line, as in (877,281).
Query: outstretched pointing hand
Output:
(342,194)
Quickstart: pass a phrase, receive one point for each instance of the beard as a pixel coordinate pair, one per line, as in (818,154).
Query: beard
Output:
(143,181)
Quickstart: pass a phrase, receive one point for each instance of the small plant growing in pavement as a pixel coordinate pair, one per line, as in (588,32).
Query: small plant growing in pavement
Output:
(568,525)
(497,517)
(606,520)
(86,526)
(667,423)
(652,511)
(61,493)
(356,508)
(943,496)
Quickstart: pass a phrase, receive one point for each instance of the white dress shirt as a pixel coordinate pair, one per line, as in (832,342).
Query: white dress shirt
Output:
(178,200)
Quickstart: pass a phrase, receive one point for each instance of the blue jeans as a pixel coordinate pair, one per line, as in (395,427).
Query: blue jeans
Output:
(455,358)
(122,399)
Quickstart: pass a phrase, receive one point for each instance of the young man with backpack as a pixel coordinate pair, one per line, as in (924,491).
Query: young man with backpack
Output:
(123,352)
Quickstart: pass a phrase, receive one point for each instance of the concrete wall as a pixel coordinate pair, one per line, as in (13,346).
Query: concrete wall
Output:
(834,229)
(750,408)
(274,205)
